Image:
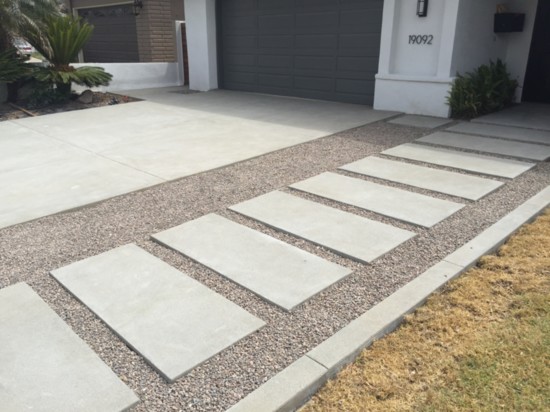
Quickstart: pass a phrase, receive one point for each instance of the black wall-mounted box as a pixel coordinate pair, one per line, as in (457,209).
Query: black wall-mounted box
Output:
(509,22)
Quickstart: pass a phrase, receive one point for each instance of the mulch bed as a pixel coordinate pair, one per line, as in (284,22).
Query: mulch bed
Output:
(11,112)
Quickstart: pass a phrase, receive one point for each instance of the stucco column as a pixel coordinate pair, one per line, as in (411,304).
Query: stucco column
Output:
(200,17)
(414,73)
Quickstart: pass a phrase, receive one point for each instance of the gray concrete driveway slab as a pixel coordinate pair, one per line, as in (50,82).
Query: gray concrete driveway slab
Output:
(57,162)
(31,192)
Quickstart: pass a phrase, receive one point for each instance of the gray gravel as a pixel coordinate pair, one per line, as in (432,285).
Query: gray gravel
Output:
(28,251)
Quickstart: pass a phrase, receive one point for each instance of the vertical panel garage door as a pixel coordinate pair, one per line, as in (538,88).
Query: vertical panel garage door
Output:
(321,49)
(114,39)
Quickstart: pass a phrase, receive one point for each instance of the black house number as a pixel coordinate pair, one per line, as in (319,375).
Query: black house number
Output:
(421,39)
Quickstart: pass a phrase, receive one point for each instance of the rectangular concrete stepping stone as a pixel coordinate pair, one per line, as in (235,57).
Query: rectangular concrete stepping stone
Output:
(414,120)
(170,319)
(274,270)
(345,233)
(488,145)
(388,201)
(46,367)
(506,132)
(471,162)
(442,181)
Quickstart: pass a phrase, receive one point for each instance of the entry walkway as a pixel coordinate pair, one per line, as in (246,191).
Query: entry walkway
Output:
(62,161)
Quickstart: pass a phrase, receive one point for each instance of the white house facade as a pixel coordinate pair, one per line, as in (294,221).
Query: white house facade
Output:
(397,55)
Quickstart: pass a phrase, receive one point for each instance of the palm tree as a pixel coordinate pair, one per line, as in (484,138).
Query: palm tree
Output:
(17,17)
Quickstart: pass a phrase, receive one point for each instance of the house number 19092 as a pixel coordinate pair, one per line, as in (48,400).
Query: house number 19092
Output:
(421,39)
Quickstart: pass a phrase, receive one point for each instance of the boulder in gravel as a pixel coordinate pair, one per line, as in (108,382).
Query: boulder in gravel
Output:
(86,97)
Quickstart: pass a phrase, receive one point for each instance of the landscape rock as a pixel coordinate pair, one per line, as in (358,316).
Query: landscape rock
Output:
(87,97)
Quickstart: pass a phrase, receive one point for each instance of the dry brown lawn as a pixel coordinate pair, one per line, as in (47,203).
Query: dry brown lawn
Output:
(481,344)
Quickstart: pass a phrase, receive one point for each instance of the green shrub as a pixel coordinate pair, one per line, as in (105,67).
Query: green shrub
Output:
(487,89)
(44,94)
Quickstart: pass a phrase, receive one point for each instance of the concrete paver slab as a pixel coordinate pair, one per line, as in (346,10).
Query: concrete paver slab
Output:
(274,270)
(488,145)
(46,366)
(343,232)
(506,132)
(471,162)
(527,115)
(170,319)
(427,122)
(442,181)
(388,201)
(31,192)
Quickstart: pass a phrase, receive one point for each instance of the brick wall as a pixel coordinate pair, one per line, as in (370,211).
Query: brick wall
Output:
(155,27)
(156,32)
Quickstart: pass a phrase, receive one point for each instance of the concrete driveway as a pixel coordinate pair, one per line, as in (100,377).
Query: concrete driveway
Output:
(57,162)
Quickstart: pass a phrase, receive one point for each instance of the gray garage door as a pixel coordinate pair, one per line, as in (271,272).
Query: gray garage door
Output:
(114,39)
(322,49)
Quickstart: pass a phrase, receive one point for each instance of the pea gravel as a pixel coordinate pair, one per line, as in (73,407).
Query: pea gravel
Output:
(29,251)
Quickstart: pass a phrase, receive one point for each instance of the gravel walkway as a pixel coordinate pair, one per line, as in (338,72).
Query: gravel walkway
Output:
(28,251)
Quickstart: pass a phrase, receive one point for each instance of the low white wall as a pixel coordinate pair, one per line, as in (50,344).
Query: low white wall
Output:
(412,95)
(130,76)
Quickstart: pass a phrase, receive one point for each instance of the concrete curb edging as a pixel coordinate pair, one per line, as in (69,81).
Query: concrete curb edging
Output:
(290,388)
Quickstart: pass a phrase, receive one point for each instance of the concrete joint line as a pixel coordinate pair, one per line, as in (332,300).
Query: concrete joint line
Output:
(290,388)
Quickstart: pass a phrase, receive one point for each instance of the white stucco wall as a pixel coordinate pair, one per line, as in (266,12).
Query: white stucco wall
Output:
(476,43)
(130,76)
(519,44)
(200,17)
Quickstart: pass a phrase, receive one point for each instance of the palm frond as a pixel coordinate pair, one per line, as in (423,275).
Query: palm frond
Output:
(85,76)
(12,66)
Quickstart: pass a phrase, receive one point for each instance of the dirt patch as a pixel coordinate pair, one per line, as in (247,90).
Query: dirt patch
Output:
(11,112)
(481,344)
